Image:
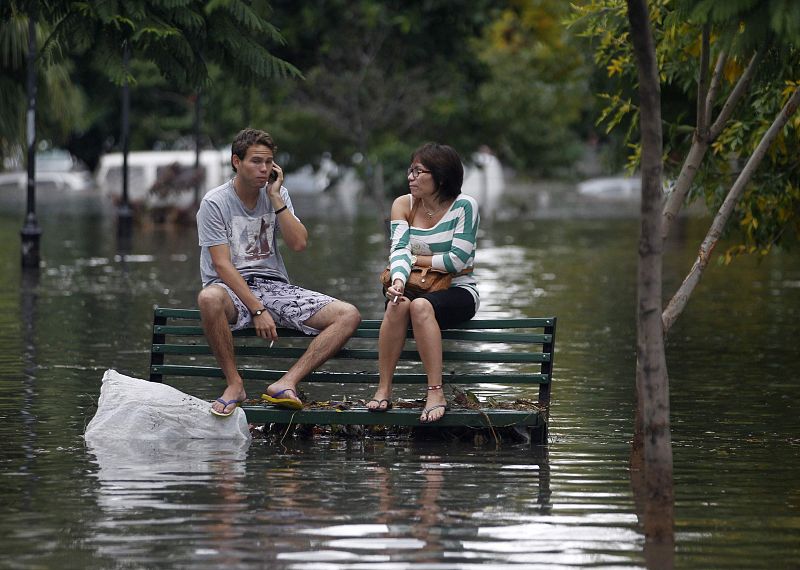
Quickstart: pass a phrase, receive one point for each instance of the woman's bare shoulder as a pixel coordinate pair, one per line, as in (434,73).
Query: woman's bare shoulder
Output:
(401,207)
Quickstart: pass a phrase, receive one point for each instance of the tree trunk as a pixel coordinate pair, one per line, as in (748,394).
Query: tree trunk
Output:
(652,384)
(681,298)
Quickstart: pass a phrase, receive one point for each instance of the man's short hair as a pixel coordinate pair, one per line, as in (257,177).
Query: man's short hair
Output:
(247,138)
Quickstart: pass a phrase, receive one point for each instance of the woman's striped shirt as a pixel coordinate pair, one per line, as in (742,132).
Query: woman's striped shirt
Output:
(451,242)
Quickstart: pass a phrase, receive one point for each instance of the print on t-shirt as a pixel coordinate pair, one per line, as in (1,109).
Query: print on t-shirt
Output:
(251,238)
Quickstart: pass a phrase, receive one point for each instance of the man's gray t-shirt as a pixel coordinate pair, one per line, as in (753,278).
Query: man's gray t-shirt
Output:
(250,234)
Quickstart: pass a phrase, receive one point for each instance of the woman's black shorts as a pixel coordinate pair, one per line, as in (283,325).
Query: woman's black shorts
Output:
(451,306)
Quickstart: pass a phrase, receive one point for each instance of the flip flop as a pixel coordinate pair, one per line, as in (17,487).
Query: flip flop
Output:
(427,412)
(225,404)
(288,403)
(378,408)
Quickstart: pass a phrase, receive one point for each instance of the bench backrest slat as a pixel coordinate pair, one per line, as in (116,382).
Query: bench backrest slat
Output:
(356,354)
(485,336)
(523,323)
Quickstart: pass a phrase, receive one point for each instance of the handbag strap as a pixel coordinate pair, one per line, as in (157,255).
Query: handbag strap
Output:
(413,212)
(426,270)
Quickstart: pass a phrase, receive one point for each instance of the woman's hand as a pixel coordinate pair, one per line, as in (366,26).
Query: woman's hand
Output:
(395,292)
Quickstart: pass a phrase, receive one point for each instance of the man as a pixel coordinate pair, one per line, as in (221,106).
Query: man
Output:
(245,282)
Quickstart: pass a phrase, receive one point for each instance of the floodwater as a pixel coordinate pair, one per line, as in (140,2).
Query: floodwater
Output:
(374,503)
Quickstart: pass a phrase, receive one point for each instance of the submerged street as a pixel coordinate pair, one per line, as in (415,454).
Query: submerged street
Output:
(393,503)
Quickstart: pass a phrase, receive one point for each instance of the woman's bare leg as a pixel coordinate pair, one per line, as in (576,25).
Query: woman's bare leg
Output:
(391,340)
(429,344)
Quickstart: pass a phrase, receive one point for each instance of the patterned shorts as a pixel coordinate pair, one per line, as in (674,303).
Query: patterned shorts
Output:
(288,305)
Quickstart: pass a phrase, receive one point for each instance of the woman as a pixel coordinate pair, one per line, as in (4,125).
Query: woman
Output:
(433,226)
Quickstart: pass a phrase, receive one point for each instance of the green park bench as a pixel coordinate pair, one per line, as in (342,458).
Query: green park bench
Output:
(481,351)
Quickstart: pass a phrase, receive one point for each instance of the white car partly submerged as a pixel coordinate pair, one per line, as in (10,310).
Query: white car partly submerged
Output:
(55,168)
(611,188)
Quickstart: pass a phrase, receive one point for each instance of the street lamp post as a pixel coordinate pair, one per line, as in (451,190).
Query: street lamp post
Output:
(197,118)
(31,232)
(124,212)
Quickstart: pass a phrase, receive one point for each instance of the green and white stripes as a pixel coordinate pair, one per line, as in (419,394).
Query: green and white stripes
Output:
(451,242)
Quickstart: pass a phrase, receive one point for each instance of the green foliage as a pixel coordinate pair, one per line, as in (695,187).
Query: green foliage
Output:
(378,77)
(179,41)
(179,37)
(379,67)
(54,85)
(537,89)
(468,72)
(759,19)
(768,214)
(13,50)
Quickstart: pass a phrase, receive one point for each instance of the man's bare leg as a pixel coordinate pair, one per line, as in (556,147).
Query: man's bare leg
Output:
(216,312)
(336,321)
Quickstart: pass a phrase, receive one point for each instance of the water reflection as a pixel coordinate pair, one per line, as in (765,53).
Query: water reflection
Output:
(168,484)
(28,314)
(655,510)
(409,507)
(347,505)
(138,474)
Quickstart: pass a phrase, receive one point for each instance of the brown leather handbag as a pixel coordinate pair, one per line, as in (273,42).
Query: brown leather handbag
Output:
(421,280)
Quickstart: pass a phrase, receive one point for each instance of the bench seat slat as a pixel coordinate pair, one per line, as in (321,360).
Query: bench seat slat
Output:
(483,336)
(522,338)
(197,330)
(398,417)
(350,377)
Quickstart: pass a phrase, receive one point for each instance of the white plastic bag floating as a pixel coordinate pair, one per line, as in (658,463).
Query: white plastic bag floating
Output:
(134,409)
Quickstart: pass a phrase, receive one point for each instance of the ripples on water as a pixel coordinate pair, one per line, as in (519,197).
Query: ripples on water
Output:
(339,504)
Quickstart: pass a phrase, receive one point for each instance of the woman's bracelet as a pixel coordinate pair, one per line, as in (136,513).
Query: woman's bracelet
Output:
(279,210)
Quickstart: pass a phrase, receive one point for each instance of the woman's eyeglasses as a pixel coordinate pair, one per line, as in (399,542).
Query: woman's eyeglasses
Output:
(416,171)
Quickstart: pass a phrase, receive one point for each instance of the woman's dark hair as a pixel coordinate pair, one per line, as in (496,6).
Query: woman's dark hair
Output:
(247,138)
(446,168)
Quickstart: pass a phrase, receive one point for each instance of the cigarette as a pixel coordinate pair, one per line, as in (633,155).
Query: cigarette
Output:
(271,343)
(396,297)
